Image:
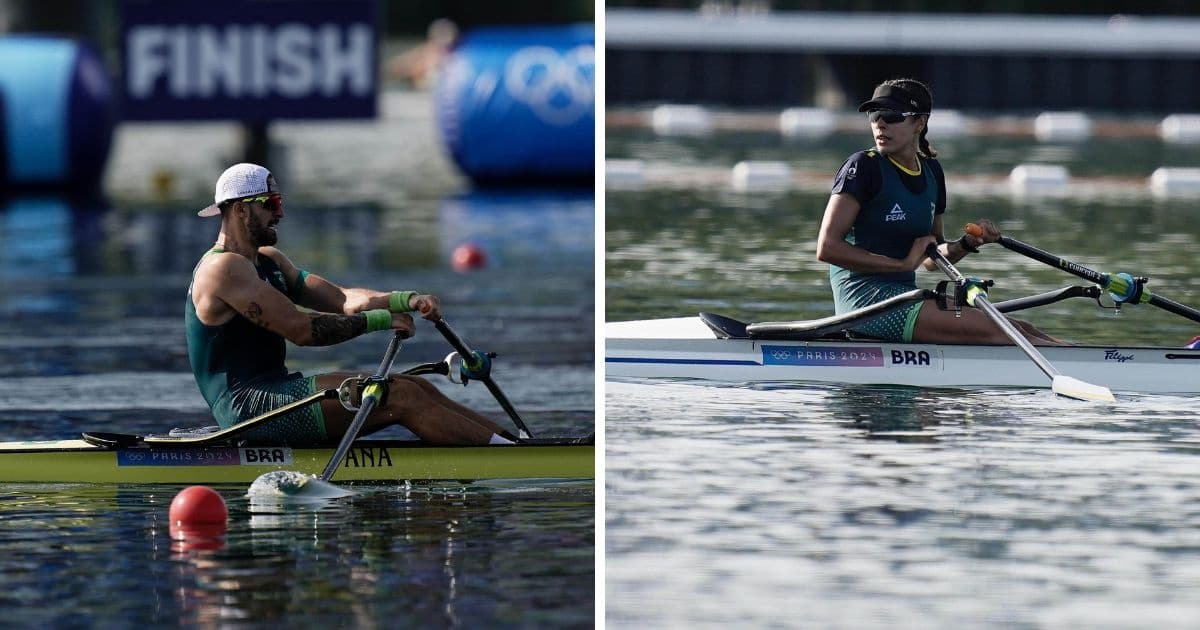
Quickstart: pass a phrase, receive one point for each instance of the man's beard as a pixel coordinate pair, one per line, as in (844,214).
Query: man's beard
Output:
(260,234)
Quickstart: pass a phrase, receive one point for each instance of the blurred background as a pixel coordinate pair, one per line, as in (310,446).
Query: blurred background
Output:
(988,55)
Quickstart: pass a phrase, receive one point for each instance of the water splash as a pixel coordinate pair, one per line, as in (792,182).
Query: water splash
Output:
(281,487)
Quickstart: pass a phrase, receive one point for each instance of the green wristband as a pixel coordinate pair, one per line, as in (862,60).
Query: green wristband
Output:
(398,301)
(378,319)
(300,277)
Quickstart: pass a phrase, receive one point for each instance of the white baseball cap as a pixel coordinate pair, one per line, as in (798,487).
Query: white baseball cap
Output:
(238,181)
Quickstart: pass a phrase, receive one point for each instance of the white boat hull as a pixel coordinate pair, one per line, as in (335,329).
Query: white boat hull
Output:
(685,348)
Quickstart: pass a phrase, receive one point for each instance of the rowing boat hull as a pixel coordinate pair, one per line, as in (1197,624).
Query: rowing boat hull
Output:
(685,348)
(71,461)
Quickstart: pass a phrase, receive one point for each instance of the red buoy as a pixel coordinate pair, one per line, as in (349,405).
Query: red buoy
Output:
(468,256)
(198,511)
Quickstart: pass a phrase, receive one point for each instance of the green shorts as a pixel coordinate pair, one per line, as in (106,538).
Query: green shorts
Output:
(302,427)
(898,325)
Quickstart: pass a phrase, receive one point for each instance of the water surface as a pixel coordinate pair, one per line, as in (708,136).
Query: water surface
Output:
(856,507)
(834,506)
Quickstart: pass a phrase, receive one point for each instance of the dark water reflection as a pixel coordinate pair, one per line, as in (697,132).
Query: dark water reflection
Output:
(899,413)
(428,556)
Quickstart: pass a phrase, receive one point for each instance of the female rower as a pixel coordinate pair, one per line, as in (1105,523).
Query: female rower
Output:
(885,209)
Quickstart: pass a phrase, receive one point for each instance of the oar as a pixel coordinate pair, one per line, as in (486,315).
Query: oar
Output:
(1121,285)
(479,367)
(1059,383)
(371,396)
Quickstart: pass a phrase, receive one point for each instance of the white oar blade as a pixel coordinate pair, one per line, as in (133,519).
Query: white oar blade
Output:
(1080,390)
(285,485)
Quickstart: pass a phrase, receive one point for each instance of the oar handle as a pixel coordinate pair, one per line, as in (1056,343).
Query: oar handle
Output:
(469,355)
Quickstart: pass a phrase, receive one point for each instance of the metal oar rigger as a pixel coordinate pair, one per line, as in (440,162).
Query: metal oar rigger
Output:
(976,295)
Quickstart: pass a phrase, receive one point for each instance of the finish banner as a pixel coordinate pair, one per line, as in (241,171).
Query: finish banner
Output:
(252,60)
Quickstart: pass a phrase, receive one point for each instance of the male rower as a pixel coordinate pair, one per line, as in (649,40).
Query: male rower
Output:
(245,300)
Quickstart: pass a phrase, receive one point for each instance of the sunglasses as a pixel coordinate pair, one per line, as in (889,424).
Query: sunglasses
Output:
(889,116)
(273,202)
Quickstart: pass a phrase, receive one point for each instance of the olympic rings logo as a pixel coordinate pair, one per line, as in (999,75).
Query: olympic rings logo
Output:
(558,88)
(780,355)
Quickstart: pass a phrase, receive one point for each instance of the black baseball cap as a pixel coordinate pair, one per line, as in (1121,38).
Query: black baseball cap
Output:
(898,99)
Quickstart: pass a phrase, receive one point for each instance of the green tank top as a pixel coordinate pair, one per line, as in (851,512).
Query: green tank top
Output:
(230,356)
(886,225)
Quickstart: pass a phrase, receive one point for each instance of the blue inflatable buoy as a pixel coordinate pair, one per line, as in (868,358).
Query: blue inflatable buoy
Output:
(57,111)
(517,105)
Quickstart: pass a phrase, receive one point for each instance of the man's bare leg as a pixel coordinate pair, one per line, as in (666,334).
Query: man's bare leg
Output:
(462,409)
(415,404)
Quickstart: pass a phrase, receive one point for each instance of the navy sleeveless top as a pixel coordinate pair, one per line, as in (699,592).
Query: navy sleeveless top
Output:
(237,353)
(900,210)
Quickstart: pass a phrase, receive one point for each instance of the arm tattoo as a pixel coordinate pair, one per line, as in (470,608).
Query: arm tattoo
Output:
(328,329)
(254,314)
